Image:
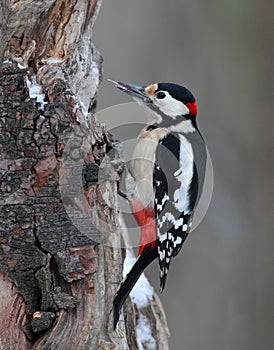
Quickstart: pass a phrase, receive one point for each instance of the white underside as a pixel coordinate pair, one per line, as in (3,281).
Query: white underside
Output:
(142,163)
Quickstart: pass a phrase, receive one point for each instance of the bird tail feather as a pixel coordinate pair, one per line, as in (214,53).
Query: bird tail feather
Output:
(146,257)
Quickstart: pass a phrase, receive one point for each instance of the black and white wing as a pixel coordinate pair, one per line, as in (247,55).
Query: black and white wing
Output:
(174,182)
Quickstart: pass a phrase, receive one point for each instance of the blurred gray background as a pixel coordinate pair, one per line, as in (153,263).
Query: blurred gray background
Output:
(220,288)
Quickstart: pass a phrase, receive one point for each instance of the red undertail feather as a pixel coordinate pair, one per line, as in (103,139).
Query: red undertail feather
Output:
(146,221)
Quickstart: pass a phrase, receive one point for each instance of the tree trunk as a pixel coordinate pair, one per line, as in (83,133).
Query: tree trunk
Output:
(60,258)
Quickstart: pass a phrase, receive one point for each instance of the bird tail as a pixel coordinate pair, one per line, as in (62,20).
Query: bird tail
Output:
(146,257)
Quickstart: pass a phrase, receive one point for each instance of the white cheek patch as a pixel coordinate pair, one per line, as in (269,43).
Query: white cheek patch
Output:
(170,106)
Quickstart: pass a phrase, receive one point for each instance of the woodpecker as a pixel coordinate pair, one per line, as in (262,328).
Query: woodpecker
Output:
(165,178)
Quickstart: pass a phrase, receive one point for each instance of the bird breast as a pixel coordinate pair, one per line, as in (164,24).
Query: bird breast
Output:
(142,163)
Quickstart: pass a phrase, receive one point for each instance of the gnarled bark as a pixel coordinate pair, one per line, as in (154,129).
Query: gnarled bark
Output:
(57,277)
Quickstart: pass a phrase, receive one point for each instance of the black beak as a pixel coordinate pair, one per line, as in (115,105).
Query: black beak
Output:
(137,92)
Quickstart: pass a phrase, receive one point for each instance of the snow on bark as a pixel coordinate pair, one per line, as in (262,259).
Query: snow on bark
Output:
(142,292)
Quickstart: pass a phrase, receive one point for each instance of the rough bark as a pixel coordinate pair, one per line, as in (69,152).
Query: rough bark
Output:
(57,278)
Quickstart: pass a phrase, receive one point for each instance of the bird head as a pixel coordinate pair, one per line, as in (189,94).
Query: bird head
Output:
(167,100)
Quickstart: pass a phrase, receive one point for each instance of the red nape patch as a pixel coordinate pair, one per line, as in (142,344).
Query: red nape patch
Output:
(193,110)
(146,221)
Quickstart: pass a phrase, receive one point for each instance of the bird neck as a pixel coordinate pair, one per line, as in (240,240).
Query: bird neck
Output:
(184,124)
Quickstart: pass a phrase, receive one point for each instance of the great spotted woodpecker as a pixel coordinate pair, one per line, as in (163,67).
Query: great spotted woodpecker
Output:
(165,178)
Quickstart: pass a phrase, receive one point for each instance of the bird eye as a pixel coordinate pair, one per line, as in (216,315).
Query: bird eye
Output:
(160,95)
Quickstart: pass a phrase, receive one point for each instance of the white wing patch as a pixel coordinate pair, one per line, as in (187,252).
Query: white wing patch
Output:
(184,175)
